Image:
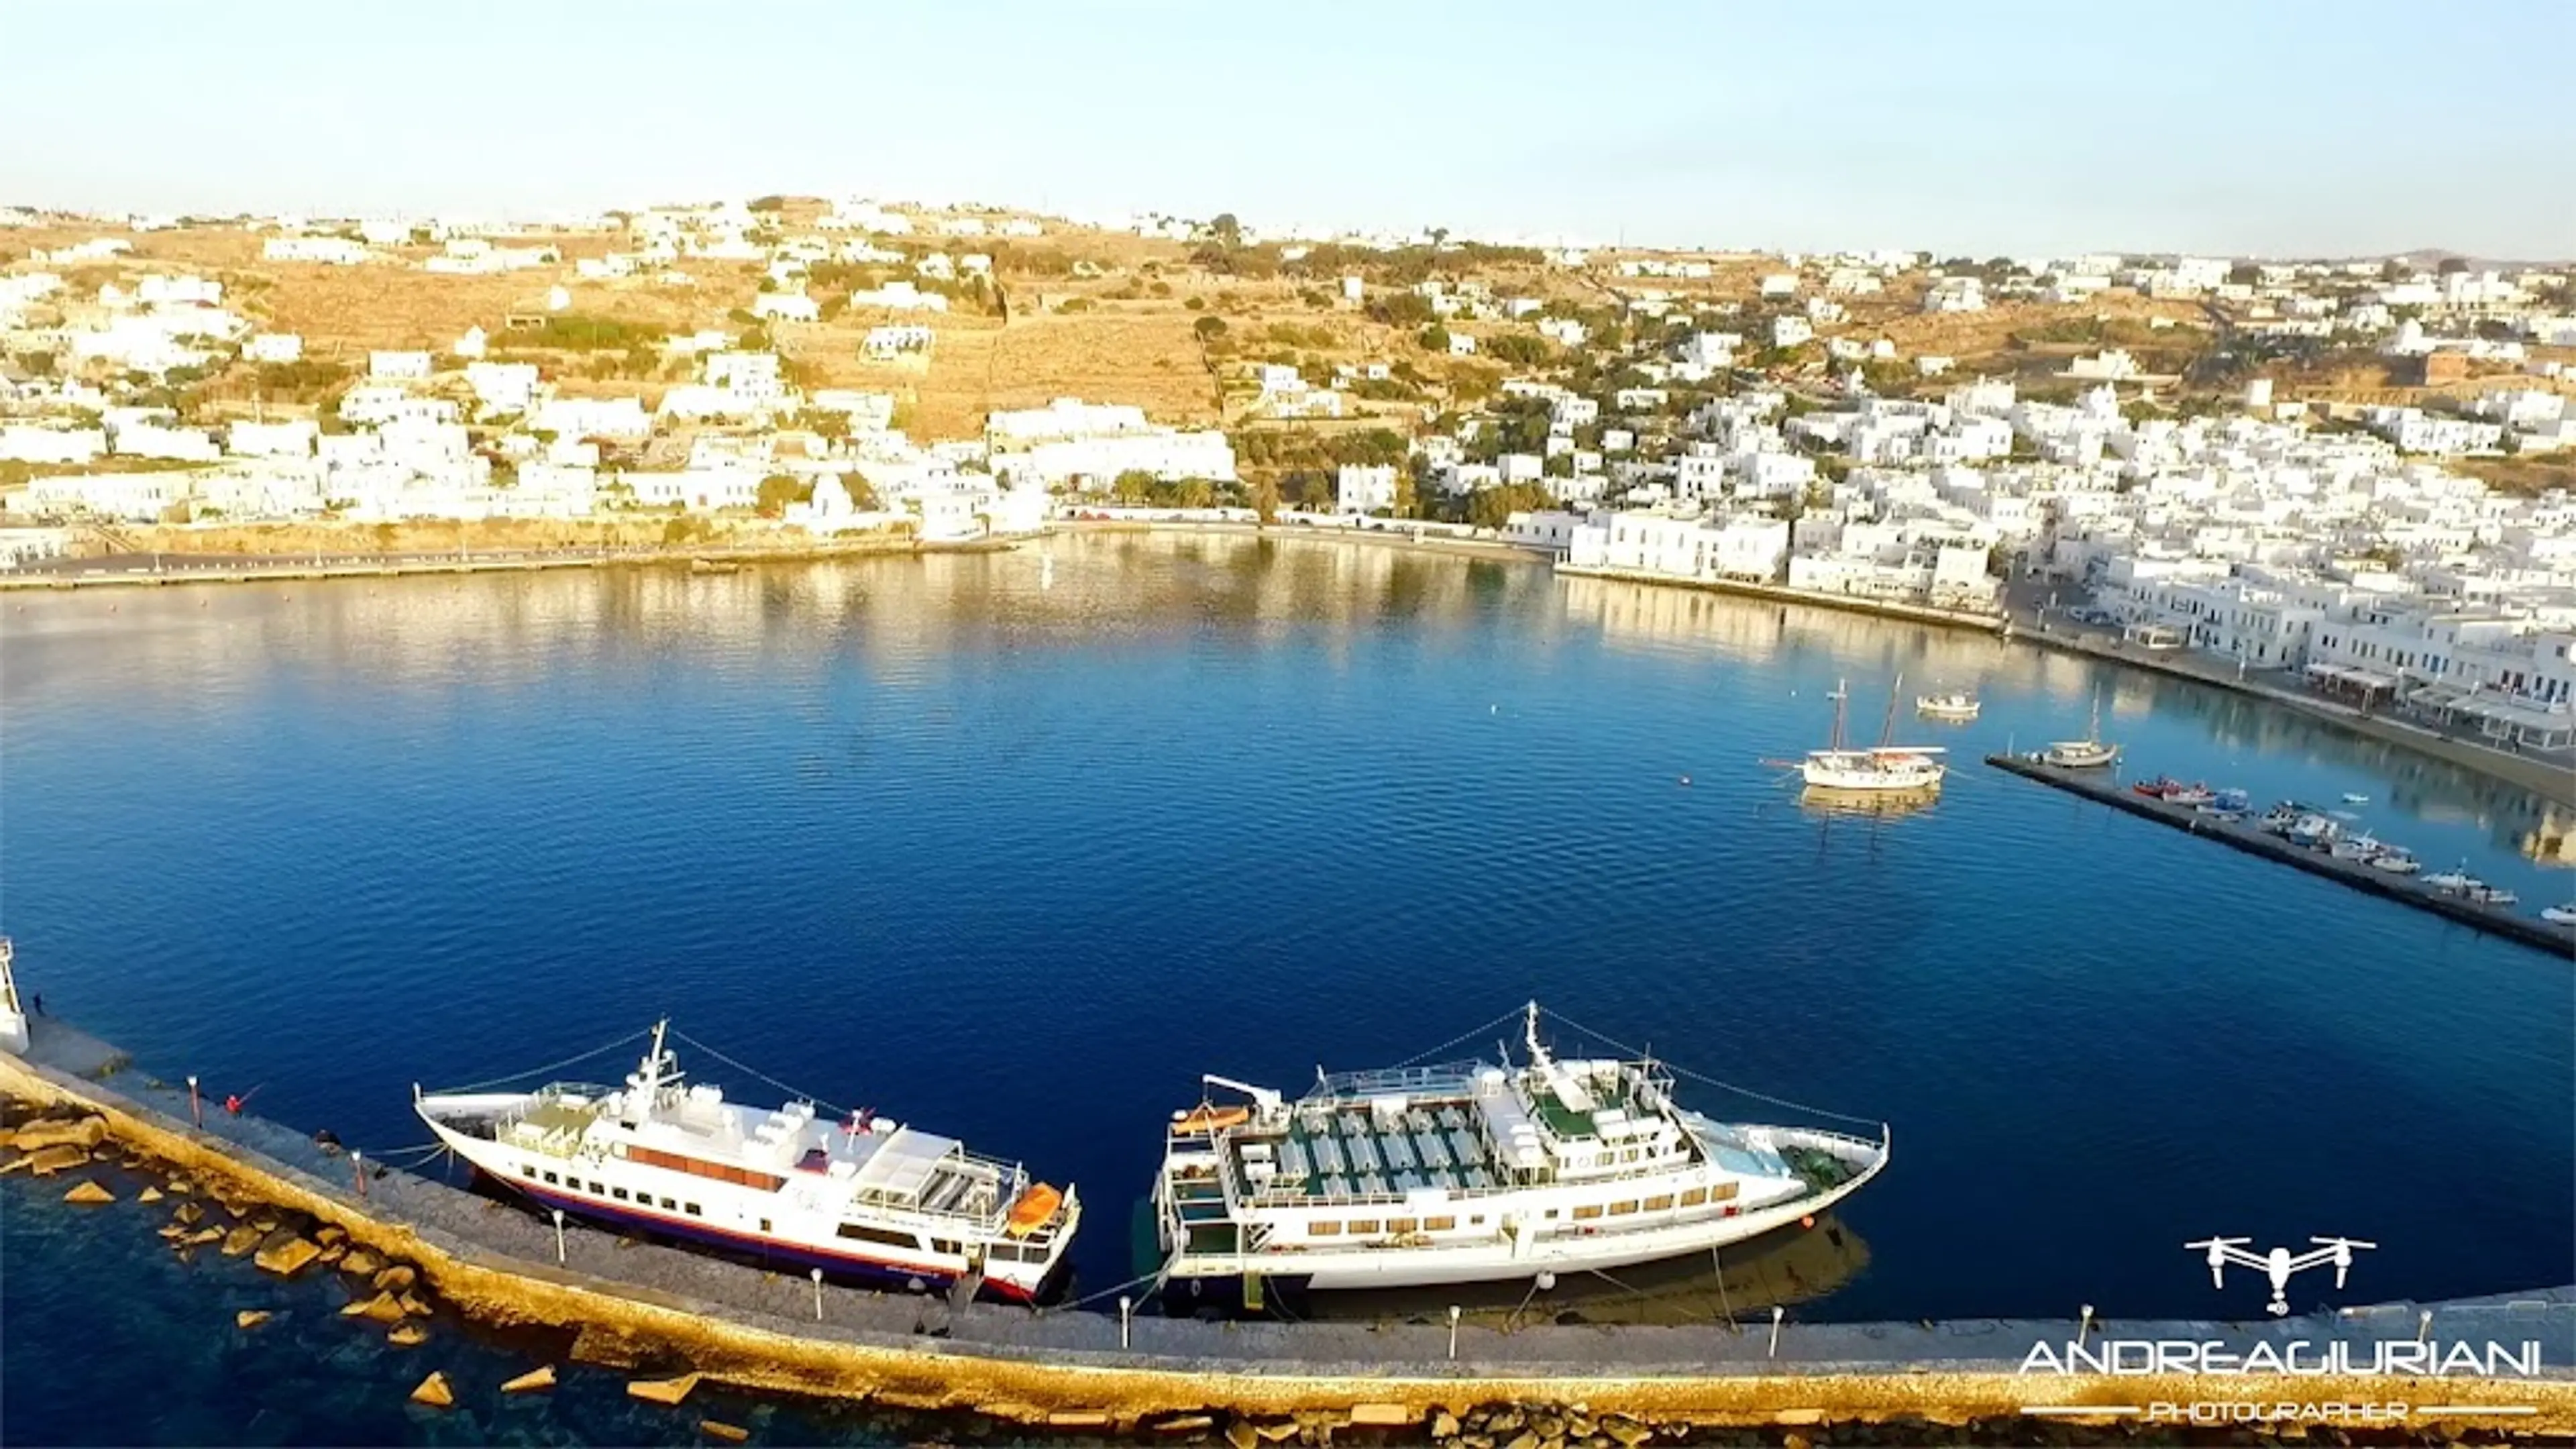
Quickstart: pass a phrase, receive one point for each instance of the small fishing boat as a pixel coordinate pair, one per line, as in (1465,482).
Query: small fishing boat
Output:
(2487,895)
(2359,849)
(2559,915)
(2279,819)
(2353,799)
(2157,788)
(2313,830)
(1955,705)
(2195,796)
(2396,860)
(2457,881)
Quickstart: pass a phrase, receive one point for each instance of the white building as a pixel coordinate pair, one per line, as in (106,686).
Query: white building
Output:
(1360,489)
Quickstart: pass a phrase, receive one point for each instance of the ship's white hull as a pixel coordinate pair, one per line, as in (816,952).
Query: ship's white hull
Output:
(1907,778)
(739,1219)
(1504,1258)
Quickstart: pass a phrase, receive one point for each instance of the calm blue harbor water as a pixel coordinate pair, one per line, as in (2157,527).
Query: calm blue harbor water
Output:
(1018,852)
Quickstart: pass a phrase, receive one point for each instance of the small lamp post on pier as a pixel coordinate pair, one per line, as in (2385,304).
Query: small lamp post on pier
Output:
(2084,1324)
(1454,1312)
(196,1104)
(1778,1312)
(358,1165)
(559,1238)
(818,1295)
(1125,1306)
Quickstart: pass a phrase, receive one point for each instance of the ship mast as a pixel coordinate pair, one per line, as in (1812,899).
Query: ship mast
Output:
(1529,1032)
(1887,729)
(1842,692)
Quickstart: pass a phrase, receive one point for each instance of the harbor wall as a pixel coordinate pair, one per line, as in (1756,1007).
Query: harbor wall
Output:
(2099,787)
(648,1307)
(1783,594)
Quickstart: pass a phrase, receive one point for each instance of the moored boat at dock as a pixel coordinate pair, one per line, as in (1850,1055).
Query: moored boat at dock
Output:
(2088,753)
(863,1198)
(1956,704)
(1475,1172)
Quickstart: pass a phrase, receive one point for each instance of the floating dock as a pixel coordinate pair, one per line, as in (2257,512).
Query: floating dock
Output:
(2099,785)
(1091,1371)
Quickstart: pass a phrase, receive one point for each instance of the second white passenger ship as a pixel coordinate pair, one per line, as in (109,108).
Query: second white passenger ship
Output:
(864,1198)
(1474,1172)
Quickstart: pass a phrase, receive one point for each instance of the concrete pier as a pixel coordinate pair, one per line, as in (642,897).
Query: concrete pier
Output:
(761,1331)
(2097,785)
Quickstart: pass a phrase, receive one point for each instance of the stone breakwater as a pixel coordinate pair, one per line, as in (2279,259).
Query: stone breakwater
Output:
(269,1192)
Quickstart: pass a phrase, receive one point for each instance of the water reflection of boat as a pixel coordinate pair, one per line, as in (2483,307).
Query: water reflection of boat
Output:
(1875,804)
(1789,1266)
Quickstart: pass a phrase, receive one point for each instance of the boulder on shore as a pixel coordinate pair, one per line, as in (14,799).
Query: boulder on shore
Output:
(242,1240)
(383,1308)
(89,1193)
(408,1335)
(434,1392)
(250,1318)
(45,1162)
(722,1432)
(361,1262)
(529,1383)
(85,1133)
(288,1258)
(396,1278)
(666,1392)
(149,1194)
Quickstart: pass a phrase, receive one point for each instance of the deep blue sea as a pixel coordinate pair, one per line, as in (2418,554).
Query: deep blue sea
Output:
(1015,846)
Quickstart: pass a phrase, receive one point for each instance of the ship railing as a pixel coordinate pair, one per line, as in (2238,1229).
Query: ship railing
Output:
(1445,1079)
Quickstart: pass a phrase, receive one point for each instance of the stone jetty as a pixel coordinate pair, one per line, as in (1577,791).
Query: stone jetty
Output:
(649,1309)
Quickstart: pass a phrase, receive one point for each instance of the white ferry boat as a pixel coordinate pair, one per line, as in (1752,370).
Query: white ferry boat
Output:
(1884,767)
(1472,1173)
(865,1198)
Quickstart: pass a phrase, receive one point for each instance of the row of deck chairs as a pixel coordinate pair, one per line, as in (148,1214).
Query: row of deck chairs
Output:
(1352,1153)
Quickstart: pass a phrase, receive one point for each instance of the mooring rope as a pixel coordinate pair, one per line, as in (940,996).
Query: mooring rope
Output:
(1706,1080)
(816,1098)
(548,1067)
(1465,1036)
(1153,1277)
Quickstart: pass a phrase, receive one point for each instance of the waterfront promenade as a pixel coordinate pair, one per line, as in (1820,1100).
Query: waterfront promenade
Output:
(763,1331)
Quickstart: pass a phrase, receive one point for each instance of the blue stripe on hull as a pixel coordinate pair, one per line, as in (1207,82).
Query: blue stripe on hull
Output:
(839,1264)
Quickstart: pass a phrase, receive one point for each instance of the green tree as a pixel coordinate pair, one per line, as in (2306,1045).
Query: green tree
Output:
(1194,493)
(1208,329)
(780,489)
(1433,338)
(1265,499)
(1133,487)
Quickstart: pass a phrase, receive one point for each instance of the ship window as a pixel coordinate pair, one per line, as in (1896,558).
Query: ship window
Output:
(861,1232)
(1622,1209)
(764,1225)
(1363,1227)
(597,1191)
(551,1181)
(943,1245)
(692,1210)
(1323,1230)
(1587,1212)
(1477,1221)
(1551,1214)
(1659,1204)
(1438,1225)
(1724,1192)
(1695,1197)
(528,1172)
(1402,1225)
(618,1193)
(669,1206)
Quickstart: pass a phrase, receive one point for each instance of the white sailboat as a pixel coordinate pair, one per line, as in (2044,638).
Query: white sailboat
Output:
(866,1198)
(1472,1172)
(1881,768)
(2088,753)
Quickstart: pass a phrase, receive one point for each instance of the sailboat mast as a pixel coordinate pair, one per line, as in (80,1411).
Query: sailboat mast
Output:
(1887,729)
(1842,693)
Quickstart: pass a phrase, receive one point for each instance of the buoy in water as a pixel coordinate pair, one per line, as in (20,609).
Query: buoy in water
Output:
(1808,1221)
(1685,779)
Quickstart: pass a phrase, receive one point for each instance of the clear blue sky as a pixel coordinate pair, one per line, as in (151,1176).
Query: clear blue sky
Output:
(2244,126)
